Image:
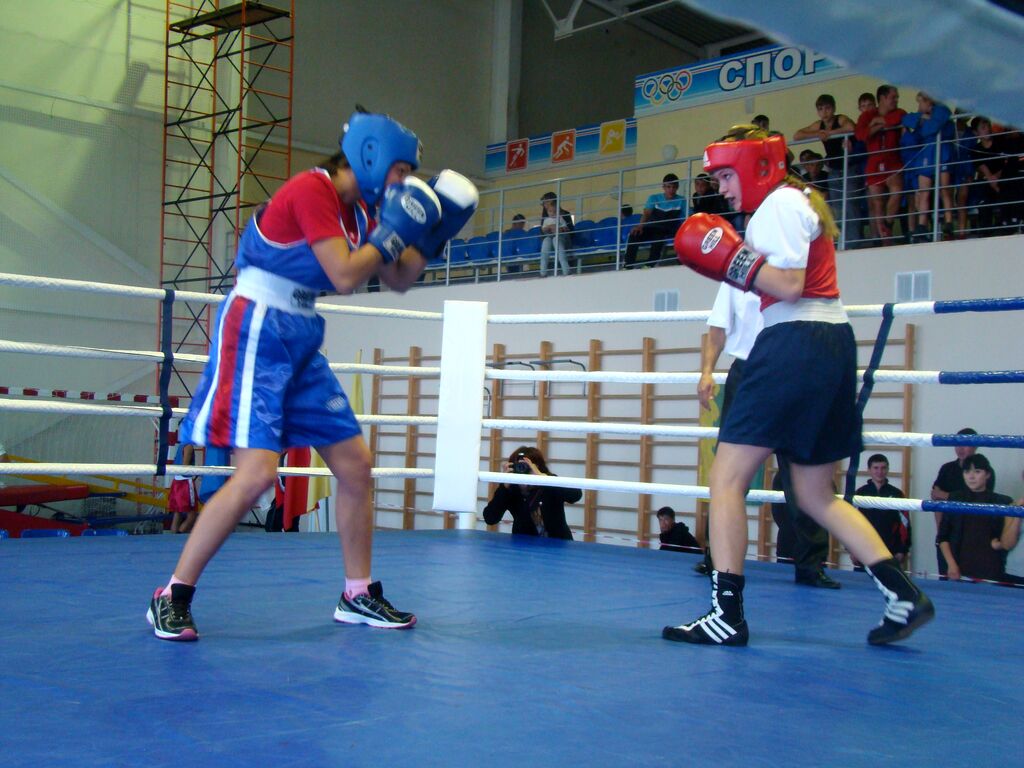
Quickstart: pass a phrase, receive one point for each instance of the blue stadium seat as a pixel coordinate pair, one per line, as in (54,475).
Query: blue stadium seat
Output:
(45,533)
(604,233)
(459,252)
(104,532)
(4,534)
(492,244)
(583,237)
(478,249)
(511,241)
(529,245)
(628,223)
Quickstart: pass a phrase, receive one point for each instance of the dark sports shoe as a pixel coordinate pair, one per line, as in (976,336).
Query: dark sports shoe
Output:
(171,616)
(819,579)
(709,629)
(724,623)
(902,618)
(372,609)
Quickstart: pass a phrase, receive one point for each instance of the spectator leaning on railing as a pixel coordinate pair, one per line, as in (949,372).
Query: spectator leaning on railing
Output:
(930,124)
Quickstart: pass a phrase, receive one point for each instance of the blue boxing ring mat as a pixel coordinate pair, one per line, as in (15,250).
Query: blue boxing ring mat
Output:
(528,652)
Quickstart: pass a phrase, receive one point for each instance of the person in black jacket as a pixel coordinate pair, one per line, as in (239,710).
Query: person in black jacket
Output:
(675,536)
(536,510)
(975,546)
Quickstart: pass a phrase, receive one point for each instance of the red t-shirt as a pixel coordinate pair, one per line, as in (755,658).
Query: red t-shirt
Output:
(307,208)
(888,137)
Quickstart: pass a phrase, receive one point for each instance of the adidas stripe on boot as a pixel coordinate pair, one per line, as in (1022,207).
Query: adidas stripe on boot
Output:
(724,623)
(907,608)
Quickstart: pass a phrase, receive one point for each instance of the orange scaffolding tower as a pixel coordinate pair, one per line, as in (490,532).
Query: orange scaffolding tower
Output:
(227,146)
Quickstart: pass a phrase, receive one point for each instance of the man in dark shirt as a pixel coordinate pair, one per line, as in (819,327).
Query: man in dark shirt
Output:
(950,480)
(705,197)
(893,526)
(675,536)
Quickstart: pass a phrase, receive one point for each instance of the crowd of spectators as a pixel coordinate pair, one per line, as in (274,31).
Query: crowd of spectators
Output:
(891,159)
(890,176)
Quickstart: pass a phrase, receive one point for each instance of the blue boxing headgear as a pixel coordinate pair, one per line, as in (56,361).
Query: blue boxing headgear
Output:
(372,143)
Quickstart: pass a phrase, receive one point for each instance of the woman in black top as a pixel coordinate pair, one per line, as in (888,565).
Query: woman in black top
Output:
(975,546)
(536,510)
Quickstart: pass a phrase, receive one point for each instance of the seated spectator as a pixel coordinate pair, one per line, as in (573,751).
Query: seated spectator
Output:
(518,225)
(880,129)
(705,196)
(975,546)
(536,510)
(675,536)
(663,213)
(950,480)
(554,221)
(892,526)
(962,171)
(996,158)
(813,170)
(829,129)
(626,211)
(923,128)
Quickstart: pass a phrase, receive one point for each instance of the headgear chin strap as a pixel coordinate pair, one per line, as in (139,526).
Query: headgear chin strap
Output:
(372,143)
(760,164)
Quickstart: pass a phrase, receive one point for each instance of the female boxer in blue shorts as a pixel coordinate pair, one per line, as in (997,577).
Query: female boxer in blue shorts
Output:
(797,397)
(267,387)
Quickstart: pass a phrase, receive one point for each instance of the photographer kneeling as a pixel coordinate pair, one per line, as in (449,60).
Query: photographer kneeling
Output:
(536,510)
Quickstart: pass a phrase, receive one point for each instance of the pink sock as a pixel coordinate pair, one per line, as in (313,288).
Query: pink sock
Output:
(174,580)
(354,587)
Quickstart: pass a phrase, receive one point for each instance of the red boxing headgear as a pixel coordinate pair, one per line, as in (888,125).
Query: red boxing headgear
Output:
(760,164)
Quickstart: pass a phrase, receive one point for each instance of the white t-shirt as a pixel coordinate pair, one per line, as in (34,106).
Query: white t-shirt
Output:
(782,228)
(738,313)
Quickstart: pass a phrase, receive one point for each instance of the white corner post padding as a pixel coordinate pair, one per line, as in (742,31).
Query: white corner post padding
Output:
(460,409)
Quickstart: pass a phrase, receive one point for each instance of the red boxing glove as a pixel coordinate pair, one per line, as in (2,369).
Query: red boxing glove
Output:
(708,244)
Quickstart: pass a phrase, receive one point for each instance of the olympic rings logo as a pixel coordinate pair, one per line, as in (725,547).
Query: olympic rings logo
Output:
(667,87)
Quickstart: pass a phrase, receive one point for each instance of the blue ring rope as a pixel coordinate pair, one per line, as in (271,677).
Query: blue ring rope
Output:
(963,507)
(981,377)
(978,441)
(979,305)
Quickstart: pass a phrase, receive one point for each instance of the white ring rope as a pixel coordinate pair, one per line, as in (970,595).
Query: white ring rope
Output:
(96,353)
(132,470)
(191,297)
(86,409)
(912,439)
(600,317)
(154,411)
(604,427)
(689,491)
(576,377)
(860,310)
(387,370)
(650,377)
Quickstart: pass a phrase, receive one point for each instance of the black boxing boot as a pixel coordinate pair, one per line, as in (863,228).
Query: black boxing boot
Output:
(906,607)
(724,623)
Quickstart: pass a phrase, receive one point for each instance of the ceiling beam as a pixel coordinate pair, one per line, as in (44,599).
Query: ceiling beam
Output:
(566,27)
